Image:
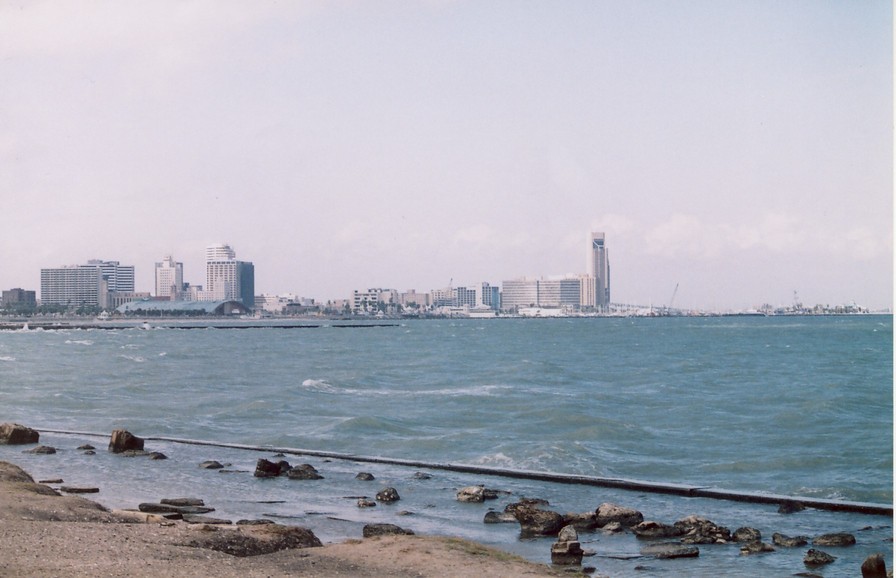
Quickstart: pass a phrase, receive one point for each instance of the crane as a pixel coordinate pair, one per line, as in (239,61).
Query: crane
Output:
(672,300)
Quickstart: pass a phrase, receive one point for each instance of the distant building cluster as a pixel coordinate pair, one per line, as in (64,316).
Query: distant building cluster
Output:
(230,288)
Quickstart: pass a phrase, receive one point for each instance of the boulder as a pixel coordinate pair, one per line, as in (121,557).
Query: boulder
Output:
(474,494)
(651,529)
(790,507)
(365,503)
(669,550)
(371,530)
(817,558)
(585,521)
(199,519)
(123,440)
(303,472)
(256,540)
(537,522)
(788,541)
(211,465)
(365,477)
(492,517)
(612,528)
(17,434)
(90,453)
(422,476)
(526,503)
(79,490)
(267,469)
(387,495)
(746,535)
(86,447)
(755,547)
(157,456)
(41,450)
(874,567)
(567,550)
(698,530)
(607,513)
(182,501)
(258,522)
(835,539)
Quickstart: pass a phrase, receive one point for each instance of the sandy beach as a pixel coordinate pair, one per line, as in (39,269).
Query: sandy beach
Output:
(49,534)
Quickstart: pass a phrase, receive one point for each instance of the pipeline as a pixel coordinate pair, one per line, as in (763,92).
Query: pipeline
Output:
(685,490)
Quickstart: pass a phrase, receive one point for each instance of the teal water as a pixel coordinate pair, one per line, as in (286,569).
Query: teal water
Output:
(786,405)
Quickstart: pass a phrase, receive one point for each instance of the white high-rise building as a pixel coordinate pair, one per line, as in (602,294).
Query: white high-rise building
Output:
(169,278)
(600,270)
(226,278)
(119,278)
(219,252)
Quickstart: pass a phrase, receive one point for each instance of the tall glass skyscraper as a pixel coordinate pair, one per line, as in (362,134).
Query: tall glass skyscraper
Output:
(600,270)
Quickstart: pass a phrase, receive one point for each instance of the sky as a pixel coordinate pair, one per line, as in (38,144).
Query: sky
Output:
(741,150)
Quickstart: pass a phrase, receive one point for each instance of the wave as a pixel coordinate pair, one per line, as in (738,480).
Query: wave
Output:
(78,342)
(324,386)
(7,358)
(135,358)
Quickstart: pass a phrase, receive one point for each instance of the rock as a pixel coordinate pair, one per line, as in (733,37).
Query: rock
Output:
(698,530)
(607,513)
(17,434)
(133,453)
(422,476)
(123,440)
(874,567)
(371,530)
(747,535)
(79,490)
(365,503)
(755,547)
(169,508)
(651,529)
(182,501)
(526,503)
(585,521)
(537,522)
(567,550)
(387,495)
(266,469)
(41,450)
(256,540)
(90,453)
(471,494)
(835,539)
(668,550)
(817,558)
(790,507)
(493,517)
(567,534)
(260,522)
(789,542)
(86,447)
(365,477)
(157,456)
(612,528)
(211,465)
(51,481)
(196,519)
(303,472)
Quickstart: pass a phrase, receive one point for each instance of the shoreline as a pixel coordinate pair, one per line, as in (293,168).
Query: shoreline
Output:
(47,533)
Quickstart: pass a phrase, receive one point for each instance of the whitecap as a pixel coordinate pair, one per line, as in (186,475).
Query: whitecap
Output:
(78,342)
(7,358)
(135,358)
(319,385)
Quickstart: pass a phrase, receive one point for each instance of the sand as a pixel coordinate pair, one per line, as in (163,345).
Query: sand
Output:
(48,534)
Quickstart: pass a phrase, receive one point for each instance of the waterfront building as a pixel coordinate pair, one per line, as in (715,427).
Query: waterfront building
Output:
(227,279)
(489,296)
(18,298)
(600,271)
(558,292)
(373,300)
(516,293)
(169,278)
(119,278)
(76,285)
(414,300)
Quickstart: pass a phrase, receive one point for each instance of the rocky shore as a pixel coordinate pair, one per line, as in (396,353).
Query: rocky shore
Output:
(49,533)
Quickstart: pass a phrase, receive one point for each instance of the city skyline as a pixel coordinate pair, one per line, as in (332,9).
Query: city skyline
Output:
(738,152)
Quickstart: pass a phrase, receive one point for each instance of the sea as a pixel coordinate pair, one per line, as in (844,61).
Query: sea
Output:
(798,406)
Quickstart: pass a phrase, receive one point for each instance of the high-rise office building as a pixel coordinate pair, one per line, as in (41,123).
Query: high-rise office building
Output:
(78,285)
(600,270)
(169,277)
(119,278)
(227,279)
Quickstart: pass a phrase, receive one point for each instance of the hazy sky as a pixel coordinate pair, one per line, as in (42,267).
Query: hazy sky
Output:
(741,149)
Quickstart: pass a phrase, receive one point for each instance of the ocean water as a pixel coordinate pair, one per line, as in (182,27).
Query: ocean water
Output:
(798,406)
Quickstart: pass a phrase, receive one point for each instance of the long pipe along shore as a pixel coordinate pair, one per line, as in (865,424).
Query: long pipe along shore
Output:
(684,490)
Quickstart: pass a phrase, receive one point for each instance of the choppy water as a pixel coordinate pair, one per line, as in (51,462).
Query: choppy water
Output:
(798,406)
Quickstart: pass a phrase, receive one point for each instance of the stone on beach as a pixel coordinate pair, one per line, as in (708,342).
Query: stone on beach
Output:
(567,550)
(79,489)
(669,550)
(817,558)
(608,512)
(652,529)
(268,469)
(211,465)
(475,494)
(755,547)
(746,535)
(699,530)
(365,477)
(387,495)
(371,530)
(303,472)
(493,517)
(17,434)
(537,522)
(123,441)
(41,450)
(835,539)
(789,541)
(874,567)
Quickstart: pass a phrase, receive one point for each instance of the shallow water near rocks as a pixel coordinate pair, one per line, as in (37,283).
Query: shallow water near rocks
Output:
(796,406)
